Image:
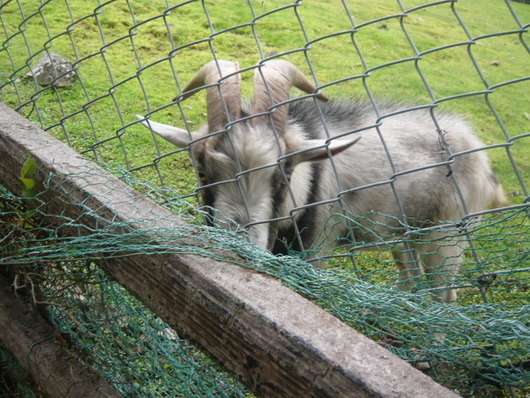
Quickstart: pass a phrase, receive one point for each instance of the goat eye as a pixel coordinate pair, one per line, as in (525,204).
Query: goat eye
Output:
(202,177)
(284,182)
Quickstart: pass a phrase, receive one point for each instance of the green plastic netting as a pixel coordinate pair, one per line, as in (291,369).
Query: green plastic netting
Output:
(485,345)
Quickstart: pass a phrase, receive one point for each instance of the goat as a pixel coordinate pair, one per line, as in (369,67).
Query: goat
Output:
(293,172)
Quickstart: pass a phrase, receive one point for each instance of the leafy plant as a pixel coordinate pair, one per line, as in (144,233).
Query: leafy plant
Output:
(29,168)
(28,192)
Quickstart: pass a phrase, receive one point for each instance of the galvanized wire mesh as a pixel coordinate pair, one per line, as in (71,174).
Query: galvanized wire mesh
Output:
(133,58)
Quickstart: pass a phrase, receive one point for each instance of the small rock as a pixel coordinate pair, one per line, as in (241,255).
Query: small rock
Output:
(495,63)
(382,26)
(50,66)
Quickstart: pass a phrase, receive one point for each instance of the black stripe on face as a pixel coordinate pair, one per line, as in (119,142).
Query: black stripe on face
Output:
(285,239)
(207,199)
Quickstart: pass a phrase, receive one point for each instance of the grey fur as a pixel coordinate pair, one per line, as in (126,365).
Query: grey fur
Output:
(395,173)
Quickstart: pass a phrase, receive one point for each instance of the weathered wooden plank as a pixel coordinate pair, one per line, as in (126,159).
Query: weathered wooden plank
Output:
(33,342)
(273,340)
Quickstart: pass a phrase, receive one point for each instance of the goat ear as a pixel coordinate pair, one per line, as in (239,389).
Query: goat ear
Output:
(178,137)
(320,151)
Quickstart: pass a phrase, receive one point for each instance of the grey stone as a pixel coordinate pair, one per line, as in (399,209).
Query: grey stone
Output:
(50,66)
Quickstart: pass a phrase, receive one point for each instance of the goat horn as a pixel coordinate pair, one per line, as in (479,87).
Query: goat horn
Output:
(228,92)
(272,83)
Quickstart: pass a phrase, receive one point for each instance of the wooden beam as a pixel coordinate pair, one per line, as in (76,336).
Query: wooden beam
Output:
(37,347)
(272,339)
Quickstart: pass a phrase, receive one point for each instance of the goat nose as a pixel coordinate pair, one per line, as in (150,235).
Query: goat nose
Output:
(240,222)
(219,220)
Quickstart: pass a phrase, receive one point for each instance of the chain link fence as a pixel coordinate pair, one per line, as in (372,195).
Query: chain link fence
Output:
(123,58)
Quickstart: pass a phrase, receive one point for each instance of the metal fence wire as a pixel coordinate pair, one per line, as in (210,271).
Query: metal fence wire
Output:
(135,57)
